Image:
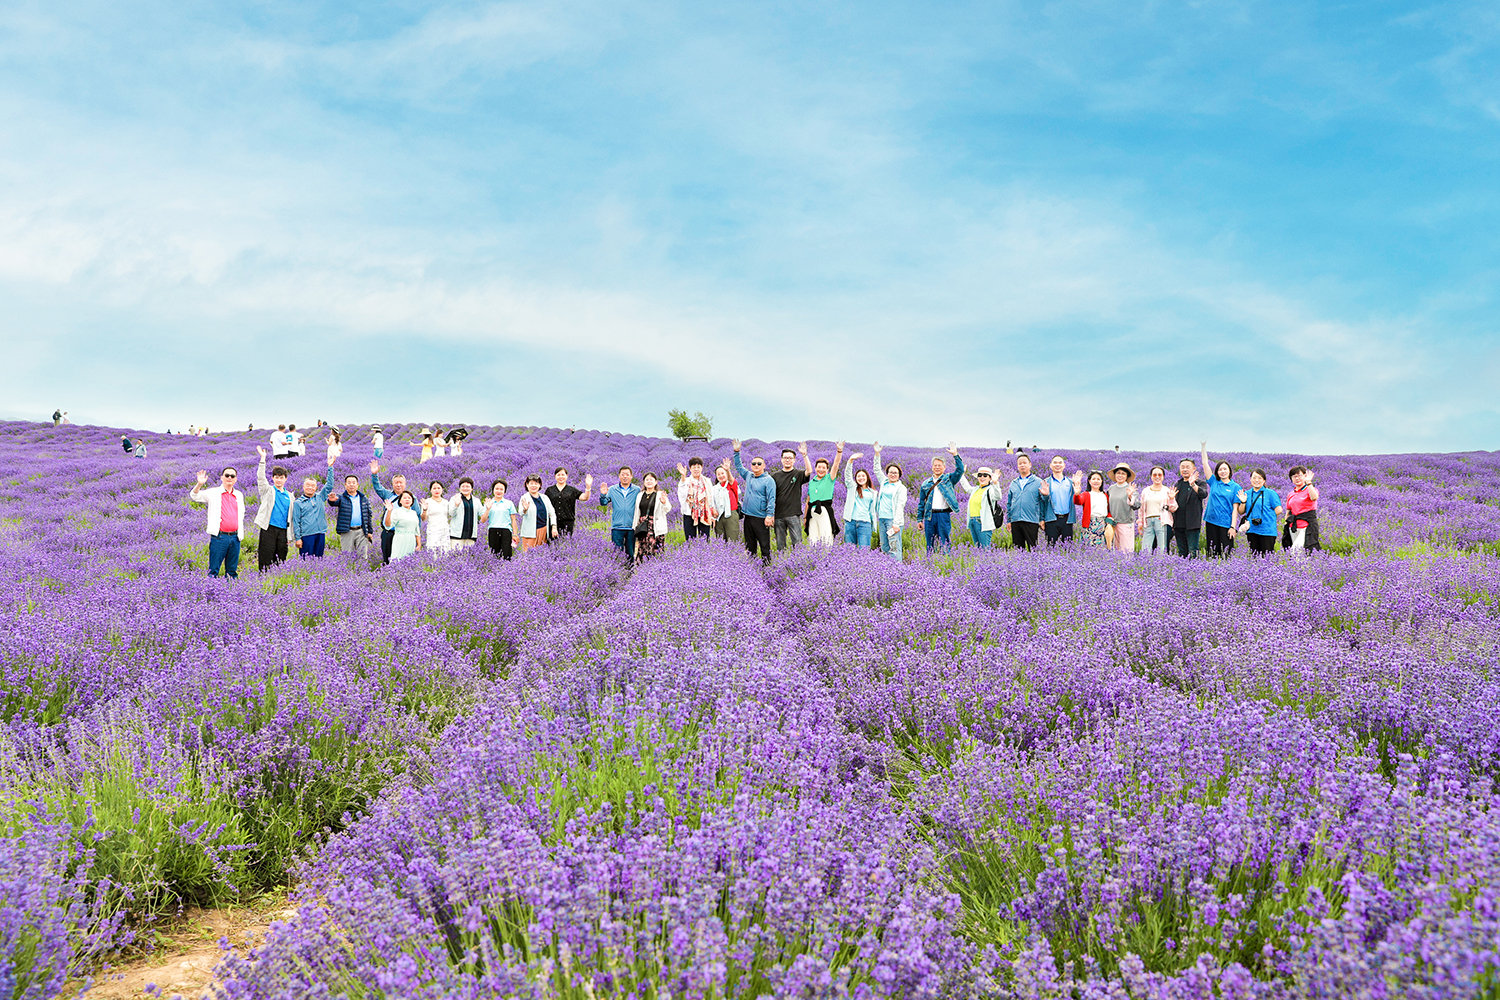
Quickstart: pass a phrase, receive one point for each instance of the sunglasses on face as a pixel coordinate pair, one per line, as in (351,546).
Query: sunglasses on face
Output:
(228,475)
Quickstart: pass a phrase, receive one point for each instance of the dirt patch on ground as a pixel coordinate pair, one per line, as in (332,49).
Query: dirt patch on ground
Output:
(186,951)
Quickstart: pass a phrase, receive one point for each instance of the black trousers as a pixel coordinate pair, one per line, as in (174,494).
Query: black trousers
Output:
(271,547)
(1220,545)
(1058,529)
(1261,544)
(500,542)
(564,527)
(691,530)
(1023,534)
(758,533)
(387,538)
(1187,541)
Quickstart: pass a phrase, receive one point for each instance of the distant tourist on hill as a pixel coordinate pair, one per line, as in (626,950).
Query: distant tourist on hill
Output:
(426,444)
(821,526)
(695,500)
(1123,504)
(1218,512)
(860,494)
(789,481)
(936,501)
(565,499)
(890,506)
(1155,517)
(758,501)
(1259,509)
(335,444)
(355,522)
(378,443)
(274,515)
(501,520)
(1187,519)
(388,496)
(56,417)
(1058,507)
(404,524)
(139,448)
(651,510)
(281,442)
(225,522)
(310,516)
(463,516)
(538,518)
(1024,505)
(126,443)
(1301,530)
(620,499)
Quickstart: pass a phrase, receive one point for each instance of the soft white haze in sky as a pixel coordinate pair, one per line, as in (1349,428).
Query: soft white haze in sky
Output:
(1077,223)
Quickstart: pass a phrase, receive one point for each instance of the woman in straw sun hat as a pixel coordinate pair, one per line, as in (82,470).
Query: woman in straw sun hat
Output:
(1123,503)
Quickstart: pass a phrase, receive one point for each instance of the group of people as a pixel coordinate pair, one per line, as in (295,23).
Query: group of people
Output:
(299,522)
(754,504)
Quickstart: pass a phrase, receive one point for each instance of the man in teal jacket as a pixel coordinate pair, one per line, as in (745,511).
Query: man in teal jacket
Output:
(757,503)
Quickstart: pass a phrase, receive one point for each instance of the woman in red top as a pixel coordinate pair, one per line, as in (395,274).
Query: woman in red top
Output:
(1095,527)
(1301,531)
(727,526)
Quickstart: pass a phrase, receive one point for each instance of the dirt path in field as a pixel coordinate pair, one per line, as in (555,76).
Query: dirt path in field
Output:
(182,963)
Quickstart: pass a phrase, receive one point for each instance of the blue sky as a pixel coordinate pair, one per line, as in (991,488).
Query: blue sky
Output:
(1275,225)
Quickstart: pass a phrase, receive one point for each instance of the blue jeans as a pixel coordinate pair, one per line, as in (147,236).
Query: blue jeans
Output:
(224,548)
(857,533)
(890,546)
(938,525)
(624,539)
(980,536)
(1155,535)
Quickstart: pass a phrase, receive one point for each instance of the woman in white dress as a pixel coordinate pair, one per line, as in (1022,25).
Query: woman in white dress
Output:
(439,443)
(402,518)
(335,446)
(435,512)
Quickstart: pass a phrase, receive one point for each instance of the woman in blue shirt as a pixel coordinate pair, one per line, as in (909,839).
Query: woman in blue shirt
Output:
(1259,508)
(1218,509)
(860,492)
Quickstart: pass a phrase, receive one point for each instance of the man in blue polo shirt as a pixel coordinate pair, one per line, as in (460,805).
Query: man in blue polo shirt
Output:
(757,503)
(1058,491)
(620,499)
(1024,505)
(274,516)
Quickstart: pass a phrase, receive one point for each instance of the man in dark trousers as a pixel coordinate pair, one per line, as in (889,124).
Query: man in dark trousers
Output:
(565,499)
(1187,520)
(398,487)
(789,482)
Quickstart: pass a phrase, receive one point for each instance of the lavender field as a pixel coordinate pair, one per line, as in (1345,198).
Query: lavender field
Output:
(985,774)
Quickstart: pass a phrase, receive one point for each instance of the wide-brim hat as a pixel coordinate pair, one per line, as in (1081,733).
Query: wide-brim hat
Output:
(985,470)
(1129,472)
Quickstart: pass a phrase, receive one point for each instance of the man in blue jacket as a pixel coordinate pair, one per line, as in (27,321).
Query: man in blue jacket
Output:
(620,499)
(1058,491)
(356,522)
(936,500)
(757,503)
(1023,505)
(310,517)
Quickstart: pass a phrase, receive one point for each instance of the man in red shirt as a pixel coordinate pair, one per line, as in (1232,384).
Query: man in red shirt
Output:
(225,522)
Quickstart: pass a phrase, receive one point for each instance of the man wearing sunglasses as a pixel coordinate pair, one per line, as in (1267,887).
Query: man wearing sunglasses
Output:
(225,522)
(757,503)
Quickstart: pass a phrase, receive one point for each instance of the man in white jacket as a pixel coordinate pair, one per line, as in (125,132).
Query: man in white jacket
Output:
(274,515)
(225,523)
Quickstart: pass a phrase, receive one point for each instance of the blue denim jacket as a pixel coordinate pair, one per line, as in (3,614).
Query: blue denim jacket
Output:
(757,493)
(944,485)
